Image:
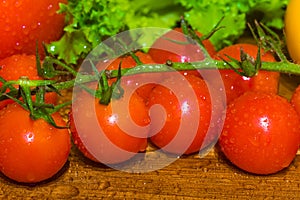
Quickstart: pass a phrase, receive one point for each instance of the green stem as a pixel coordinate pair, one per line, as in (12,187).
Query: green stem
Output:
(64,85)
(80,79)
(68,68)
(282,67)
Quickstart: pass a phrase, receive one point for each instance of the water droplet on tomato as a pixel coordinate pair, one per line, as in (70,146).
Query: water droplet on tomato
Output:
(25,30)
(29,137)
(4,3)
(30,177)
(18,4)
(225,133)
(232,140)
(18,46)
(50,6)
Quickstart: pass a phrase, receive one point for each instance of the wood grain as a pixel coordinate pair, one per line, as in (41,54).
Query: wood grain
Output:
(191,177)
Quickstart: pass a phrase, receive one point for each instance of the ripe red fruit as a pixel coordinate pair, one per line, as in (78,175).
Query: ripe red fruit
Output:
(31,150)
(261,133)
(23,22)
(173,46)
(119,144)
(165,48)
(15,66)
(235,84)
(183,131)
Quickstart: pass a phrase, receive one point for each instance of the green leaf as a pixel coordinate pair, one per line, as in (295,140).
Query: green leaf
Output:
(92,21)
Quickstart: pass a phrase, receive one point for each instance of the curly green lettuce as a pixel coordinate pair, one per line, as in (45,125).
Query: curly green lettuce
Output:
(90,22)
(204,15)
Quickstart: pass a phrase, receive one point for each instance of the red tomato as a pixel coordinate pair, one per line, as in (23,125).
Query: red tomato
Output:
(15,66)
(184,127)
(120,139)
(23,22)
(261,133)
(31,151)
(165,48)
(143,83)
(235,85)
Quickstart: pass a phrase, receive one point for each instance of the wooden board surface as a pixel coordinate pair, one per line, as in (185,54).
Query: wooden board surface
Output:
(211,177)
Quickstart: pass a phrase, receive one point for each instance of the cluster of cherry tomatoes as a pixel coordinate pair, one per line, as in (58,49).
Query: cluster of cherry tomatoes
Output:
(31,150)
(261,131)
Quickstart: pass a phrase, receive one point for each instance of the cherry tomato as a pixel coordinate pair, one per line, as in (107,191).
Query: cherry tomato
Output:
(31,150)
(261,133)
(15,66)
(23,22)
(104,133)
(187,117)
(171,47)
(168,47)
(235,84)
(292,29)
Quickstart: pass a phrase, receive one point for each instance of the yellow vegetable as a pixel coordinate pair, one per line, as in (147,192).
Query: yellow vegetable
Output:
(292,29)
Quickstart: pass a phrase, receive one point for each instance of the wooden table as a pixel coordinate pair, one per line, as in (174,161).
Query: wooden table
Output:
(211,177)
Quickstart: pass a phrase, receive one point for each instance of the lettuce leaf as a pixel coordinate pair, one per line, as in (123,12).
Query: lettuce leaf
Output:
(203,16)
(90,22)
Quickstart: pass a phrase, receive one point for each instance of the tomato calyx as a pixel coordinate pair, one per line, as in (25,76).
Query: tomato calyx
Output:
(267,40)
(105,91)
(248,66)
(37,108)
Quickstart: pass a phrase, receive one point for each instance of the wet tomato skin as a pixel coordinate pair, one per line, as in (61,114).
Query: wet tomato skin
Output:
(173,46)
(179,111)
(261,133)
(109,119)
(165,48)
(24,22)
(31,151)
